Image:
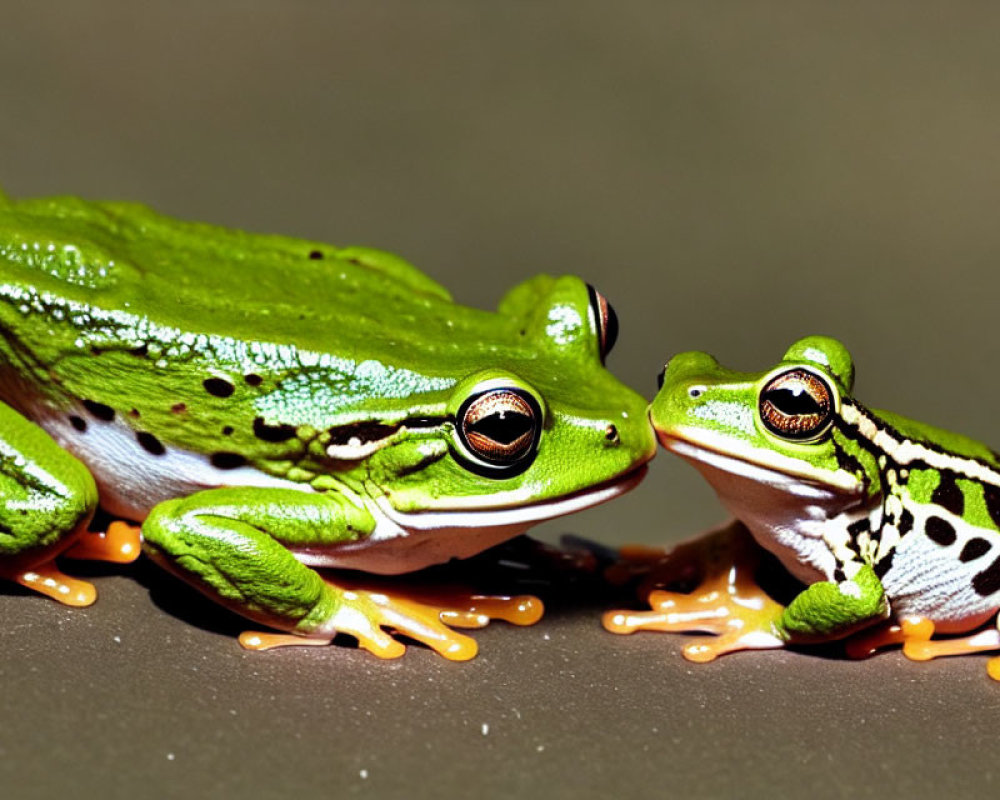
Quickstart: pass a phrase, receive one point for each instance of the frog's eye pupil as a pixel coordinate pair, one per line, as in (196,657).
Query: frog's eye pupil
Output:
(794,402)
(797,405)
(503,427)
(500,428)
(607,321)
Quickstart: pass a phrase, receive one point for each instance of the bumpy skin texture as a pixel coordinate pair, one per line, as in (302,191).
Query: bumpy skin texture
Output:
(131,311)
(876,512)
(824,611)
(322,384)
(48,495)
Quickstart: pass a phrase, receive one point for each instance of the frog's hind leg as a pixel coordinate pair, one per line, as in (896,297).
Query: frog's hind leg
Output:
(47,498)
(235,545)
(915,635)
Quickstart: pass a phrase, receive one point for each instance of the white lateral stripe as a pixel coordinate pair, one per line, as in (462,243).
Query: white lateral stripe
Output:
(523,515)
(907,451)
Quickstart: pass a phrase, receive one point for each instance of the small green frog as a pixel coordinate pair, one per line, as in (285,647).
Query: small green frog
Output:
(267,405)
(876,513)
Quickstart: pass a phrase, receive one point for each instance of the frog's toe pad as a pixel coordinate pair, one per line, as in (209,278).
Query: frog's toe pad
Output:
(465,610)
(268,640)
(48,580)
(701,651)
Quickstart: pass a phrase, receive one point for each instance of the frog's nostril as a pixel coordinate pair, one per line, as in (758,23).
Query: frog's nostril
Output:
(611,434)
(659,378)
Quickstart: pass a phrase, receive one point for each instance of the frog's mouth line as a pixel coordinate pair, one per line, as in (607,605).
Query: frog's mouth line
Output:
(521,516)
(404,542)
(754,464)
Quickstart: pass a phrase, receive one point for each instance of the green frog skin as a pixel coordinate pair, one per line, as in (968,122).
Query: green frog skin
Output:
(876,513)
(266,405)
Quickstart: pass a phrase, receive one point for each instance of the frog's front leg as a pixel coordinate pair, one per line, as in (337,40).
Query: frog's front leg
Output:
(827,611)
(47,498)
(235,545)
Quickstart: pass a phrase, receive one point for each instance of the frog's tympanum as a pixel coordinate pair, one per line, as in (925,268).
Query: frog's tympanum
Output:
(267,405)
(879,515)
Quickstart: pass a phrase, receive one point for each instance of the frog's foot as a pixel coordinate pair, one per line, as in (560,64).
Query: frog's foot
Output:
(914,634)
(727,602)
(421,614)
(119,544)
(48,580)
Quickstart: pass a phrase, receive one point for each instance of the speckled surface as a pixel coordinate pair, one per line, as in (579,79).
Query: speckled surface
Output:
(730,178)
(126,698)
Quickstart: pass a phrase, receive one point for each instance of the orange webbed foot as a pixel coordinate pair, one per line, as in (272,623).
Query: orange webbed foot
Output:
(727,600)
(426,615)
(915,635)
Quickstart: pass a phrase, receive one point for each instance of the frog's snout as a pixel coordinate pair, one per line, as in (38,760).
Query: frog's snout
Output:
(682,379)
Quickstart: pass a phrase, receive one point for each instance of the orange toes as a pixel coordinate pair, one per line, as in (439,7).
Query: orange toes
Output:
(119,544)
(48,580)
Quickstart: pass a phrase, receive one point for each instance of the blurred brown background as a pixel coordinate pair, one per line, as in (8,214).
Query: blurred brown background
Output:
(731,175)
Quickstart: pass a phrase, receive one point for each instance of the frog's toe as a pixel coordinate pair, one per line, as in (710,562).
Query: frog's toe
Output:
(918,645)
(48,580)
(912,630)
(418,621)
(915,635)
(456,606)
(462,609)
(428,615)
(372,616)
(349,621)
(119,544)
(268,640)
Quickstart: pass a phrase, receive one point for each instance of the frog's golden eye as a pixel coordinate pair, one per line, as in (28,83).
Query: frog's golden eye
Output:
(500,427)
(607,321)
(797,405)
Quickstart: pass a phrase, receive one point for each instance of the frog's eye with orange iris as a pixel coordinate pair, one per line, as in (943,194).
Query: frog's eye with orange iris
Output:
(500,428)
(797,405)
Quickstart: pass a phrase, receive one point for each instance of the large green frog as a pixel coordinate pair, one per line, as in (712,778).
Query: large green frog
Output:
(267,405)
